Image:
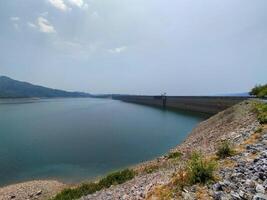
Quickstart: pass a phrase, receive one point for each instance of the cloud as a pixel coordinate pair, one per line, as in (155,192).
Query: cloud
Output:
(79,3)
(14,18)
(45,26)
(32,25)
(118,49)
(15,21)
(59,4)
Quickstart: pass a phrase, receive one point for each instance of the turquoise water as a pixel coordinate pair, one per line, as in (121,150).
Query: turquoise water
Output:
(77,139)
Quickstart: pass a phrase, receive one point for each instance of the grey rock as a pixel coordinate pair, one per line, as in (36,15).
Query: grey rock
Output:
(260,189)
(217,195)
(260,197)
(235,195)
(187,196)
(217,187)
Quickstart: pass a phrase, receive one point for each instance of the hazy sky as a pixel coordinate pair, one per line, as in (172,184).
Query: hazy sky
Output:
(182,47)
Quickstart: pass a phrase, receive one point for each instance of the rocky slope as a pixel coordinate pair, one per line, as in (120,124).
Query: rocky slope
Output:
(237,123)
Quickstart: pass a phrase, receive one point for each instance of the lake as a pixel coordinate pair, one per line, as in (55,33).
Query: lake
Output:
(75,139)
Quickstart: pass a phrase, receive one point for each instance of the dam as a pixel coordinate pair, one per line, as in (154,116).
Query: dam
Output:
(203,104)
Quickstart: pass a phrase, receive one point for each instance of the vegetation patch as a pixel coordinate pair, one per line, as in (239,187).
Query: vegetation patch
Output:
(261,110)
(90,188)
(225,150)
(259,130)
(150,169)
(117,178)
(259,91)
(197,170)
(174,155)
(200,170)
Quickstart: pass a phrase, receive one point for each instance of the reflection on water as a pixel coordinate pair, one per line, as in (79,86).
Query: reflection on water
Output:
(76,139)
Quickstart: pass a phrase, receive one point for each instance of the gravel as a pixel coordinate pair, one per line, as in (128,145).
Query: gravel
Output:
(31,190)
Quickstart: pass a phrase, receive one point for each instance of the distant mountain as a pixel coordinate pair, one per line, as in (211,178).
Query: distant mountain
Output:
(243,94)
(10,88)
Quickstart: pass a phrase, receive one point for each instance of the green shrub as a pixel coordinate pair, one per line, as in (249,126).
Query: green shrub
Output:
(200,170)
(262,93)
(173,155)
(84,189)
(90,188)
(117,178)
(259,91)
(261,110)
(224,150)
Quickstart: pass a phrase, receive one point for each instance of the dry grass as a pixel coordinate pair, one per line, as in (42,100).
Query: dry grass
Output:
(150,169)
(202,193)
(251,140)
(254,138)
(161,193)
(180,179)
(227,163)
(173,189)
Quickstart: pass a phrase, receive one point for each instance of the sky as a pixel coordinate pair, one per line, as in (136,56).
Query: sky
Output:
(181,47)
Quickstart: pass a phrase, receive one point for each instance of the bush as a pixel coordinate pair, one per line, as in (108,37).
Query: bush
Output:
(84,189)
(259,91)
(117,178)
(200,170)
(173,155)
(261,110)
(90,188)
(224,150)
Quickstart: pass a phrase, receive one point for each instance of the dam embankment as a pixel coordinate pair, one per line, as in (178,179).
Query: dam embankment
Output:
(204,104)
